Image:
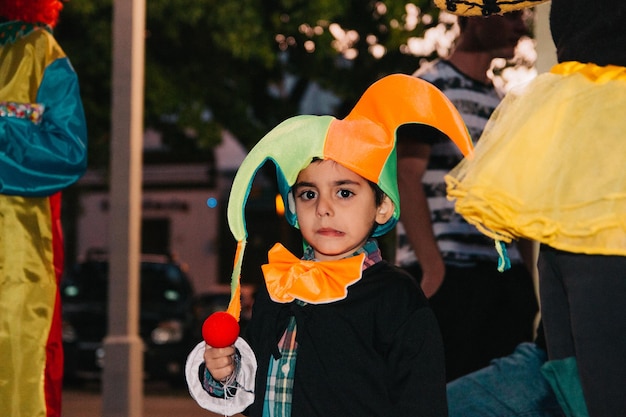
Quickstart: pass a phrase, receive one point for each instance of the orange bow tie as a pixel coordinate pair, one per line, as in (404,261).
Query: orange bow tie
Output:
(315,282)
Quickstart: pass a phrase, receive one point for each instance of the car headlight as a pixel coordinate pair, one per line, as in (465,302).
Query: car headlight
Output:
(170,331)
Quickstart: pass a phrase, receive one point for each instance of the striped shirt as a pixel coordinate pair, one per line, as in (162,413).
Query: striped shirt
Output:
(459,242)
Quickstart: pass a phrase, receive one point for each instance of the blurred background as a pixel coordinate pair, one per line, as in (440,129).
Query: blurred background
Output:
(218,76)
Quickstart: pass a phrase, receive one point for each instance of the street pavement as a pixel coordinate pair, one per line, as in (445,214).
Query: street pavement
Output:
(159,400)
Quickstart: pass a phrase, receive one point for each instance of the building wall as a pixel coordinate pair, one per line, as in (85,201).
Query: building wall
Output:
(193,228)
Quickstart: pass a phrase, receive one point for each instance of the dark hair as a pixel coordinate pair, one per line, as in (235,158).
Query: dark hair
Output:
(462,21)
(379,194)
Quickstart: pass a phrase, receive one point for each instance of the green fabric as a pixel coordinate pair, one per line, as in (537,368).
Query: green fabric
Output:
(12,30)
(563,376)
(279,146)
(388,182)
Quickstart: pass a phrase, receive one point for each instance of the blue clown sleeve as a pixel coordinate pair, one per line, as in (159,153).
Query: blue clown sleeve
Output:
(39,159)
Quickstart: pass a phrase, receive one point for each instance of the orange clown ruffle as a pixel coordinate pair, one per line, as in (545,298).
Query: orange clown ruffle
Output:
(550,165)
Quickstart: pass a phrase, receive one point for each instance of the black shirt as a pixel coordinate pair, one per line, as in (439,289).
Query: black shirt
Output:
(589,31)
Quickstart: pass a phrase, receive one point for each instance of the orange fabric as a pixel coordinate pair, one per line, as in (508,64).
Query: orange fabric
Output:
(316,282)
(234,306)
(369,157)
(387,104)
(423,103)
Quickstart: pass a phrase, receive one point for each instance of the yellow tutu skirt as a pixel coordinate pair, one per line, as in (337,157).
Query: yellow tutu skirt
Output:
(551,164)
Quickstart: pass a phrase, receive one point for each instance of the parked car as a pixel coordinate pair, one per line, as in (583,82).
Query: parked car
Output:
(167,322)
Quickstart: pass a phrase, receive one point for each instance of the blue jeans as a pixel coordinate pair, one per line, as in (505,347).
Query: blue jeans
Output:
(509,386)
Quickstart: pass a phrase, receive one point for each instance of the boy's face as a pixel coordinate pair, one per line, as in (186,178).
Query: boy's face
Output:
(336,209)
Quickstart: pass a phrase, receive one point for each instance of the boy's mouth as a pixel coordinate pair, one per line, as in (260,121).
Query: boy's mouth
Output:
(327,231)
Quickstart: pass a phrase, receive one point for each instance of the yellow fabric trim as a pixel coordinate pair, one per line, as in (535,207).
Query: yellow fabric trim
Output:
(550,164)
(593,72)
(27,296)
(23,65)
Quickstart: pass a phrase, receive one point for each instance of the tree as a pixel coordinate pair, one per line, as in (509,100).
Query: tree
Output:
(213,65)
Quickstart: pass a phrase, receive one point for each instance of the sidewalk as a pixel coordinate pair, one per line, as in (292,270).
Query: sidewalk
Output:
(159,401)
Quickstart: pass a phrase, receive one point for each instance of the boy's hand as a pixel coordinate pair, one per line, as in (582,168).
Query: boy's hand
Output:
(220,362)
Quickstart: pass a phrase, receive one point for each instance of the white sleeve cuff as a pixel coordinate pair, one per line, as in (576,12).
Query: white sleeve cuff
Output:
(245,381)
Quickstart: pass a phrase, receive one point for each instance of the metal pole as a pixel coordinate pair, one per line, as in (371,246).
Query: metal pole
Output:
(122,388)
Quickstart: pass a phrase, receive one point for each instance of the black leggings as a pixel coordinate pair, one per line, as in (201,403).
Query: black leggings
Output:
(583,304)
(483,314)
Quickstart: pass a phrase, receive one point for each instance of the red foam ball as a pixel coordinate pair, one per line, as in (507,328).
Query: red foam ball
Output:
(220,329)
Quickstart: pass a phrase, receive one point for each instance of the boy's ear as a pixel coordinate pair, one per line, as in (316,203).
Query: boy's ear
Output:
(385,210)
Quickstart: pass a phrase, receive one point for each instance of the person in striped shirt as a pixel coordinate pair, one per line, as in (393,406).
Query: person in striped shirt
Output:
(483,313)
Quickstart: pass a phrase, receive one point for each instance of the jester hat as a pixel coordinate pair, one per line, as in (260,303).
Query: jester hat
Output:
(484,7)
(364,142)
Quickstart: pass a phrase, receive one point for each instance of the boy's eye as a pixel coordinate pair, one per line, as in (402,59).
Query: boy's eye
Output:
(308,195)
(344,193)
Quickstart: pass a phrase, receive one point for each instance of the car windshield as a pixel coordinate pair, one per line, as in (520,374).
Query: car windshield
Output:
(160,282)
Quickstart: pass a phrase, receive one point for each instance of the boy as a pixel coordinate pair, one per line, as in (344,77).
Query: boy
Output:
(341,332)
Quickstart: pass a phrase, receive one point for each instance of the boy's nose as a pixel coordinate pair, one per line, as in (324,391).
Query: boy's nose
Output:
(324,207)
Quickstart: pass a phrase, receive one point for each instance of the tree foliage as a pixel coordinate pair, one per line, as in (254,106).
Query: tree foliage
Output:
(213,65)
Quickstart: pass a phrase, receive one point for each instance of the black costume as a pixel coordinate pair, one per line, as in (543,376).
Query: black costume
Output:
(385,314)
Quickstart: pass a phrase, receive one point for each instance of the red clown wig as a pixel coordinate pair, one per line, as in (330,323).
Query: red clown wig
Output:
(32,11)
